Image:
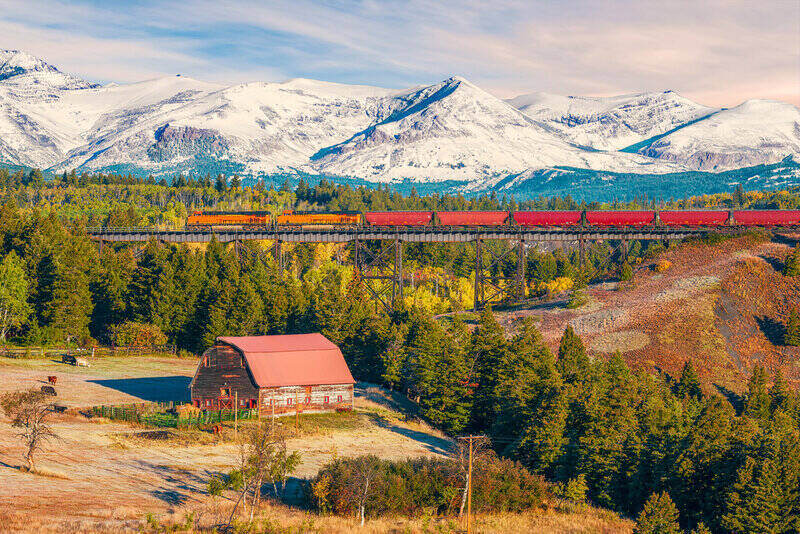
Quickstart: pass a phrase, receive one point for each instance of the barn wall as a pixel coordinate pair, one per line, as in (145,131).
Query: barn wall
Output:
(281,400)
(223,367)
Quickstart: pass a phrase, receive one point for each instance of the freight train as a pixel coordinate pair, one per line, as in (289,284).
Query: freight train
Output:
(584,218)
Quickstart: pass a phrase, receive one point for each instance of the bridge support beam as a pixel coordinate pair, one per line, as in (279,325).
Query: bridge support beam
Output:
(493,287)
(380,272)
(521,269)
(277,254)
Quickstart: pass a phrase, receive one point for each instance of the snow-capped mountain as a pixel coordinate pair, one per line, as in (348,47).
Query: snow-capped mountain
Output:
(754,132)
(27,73)
(452,130)
(611,123)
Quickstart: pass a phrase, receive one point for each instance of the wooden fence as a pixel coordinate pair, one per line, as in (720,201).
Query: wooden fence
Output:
(99,352)
(164,415)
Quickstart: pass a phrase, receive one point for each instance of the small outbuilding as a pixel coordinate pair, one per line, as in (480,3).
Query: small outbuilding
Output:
(276,374)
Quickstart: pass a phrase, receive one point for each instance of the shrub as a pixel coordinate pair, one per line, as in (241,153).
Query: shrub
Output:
(626,273)
(792,266)
(577,299)
(131,333)
(411,487)
(662,265)
(556,286)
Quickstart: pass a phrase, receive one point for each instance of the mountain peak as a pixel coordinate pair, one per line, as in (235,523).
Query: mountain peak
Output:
(23,69)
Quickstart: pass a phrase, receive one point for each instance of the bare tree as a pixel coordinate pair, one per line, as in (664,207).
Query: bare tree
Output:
(263,456)
(29,412)
(362,481)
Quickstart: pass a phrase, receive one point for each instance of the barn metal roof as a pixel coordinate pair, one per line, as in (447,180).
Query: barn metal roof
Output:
(292,360)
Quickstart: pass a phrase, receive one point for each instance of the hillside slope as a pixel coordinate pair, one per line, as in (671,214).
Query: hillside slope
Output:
(722,306)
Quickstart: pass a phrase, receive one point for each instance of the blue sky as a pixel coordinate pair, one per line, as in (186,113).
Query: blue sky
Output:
(718,52)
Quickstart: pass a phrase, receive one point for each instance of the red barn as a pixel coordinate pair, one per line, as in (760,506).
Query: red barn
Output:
(276,374)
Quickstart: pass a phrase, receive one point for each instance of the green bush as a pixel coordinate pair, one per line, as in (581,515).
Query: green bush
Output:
(412,487)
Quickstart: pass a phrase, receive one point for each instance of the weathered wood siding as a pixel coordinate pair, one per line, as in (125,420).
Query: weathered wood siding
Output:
(282,400)
(221,375)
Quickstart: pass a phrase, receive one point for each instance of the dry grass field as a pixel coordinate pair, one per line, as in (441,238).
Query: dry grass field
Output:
(104,476)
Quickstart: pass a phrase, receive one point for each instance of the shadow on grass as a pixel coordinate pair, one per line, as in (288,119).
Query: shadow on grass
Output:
(154,389)
(432,443)
(775,263)
(772,329)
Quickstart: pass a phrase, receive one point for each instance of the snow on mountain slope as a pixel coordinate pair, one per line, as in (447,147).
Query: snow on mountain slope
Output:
(752,133)
(610,123)
(29,74)
(27,82)
(454,129)
(449,130)
(268,127)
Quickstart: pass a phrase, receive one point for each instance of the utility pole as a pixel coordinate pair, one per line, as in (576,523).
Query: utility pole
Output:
(471,440)
(236,416)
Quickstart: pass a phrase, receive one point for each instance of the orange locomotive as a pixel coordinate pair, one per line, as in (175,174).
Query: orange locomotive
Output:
(315,218)
(229,218)
(238,219)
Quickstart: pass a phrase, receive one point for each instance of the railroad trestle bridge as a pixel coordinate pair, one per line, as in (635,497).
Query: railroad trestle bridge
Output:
(380,269)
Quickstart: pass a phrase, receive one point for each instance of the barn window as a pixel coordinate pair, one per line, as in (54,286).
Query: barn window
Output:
(339,399)
(224,392)
(327,400)
(308,400)
(289,401)
(208,402)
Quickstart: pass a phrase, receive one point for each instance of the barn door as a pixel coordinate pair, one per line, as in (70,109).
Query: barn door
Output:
(225,399)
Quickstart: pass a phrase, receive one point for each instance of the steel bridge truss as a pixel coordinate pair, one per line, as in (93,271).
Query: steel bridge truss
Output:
(377,252)
(380,271)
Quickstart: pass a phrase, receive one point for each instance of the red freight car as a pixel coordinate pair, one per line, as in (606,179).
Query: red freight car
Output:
(398,218)
(472,218)
(547,218)
(767,217)
(620,218)
(694,218)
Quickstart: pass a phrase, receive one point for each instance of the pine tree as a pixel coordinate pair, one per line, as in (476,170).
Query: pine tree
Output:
(487,351)
(659,516)
(217,323)
(792,266)
(109,292)
(792,336)
(738,196)
(573,363)
(781,397)
(757,403)
(69,310)
(689,384)
(700,529)
(753,505)
(438,374)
